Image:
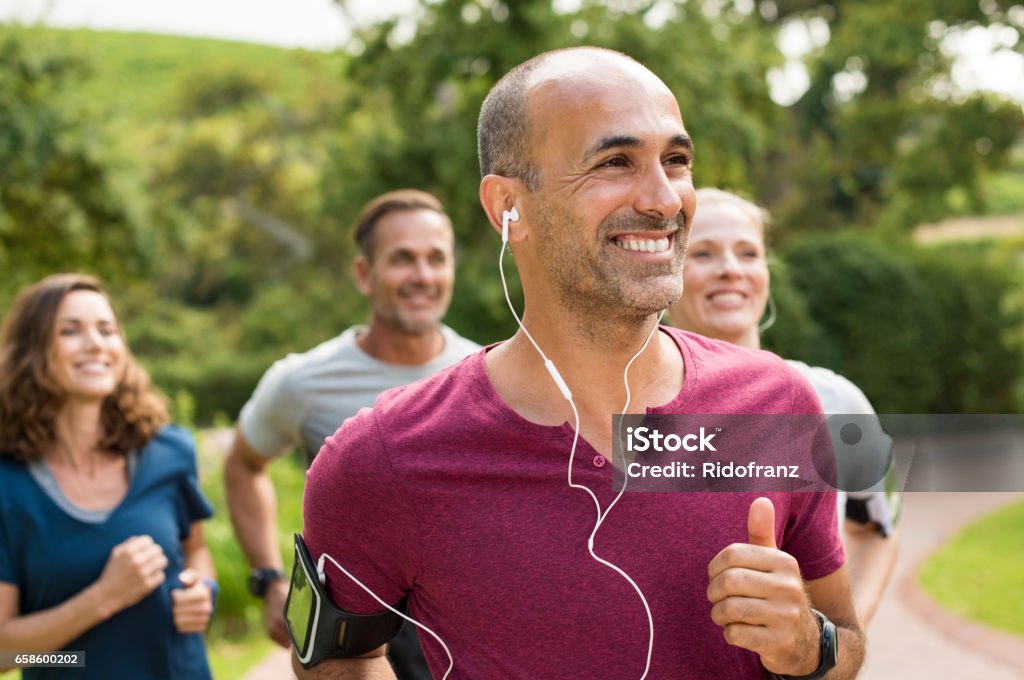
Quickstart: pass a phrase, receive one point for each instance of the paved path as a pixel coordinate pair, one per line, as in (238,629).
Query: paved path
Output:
(910,638)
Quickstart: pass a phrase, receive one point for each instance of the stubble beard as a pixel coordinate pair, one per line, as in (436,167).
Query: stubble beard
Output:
(591,279)
(399,321)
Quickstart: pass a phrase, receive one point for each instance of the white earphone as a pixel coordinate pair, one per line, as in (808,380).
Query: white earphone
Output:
(506,217)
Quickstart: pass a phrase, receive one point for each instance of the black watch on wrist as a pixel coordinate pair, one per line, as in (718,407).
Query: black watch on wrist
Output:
(829,650)
(259,579)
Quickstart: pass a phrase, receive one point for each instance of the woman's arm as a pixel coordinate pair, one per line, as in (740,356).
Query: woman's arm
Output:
(870,560)
(133,570)
(193,603)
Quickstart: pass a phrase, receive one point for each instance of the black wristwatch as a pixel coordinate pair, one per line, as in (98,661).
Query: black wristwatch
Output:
(829,650)
(259,579)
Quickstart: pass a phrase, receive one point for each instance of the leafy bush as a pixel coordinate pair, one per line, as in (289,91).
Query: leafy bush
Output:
(878,315)
(794,334)
(979,364)
(919,331)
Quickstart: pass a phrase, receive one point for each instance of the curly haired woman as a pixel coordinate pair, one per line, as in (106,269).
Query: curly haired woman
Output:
(101,541)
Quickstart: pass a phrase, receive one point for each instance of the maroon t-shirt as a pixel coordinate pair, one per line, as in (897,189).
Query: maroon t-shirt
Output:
(444,494)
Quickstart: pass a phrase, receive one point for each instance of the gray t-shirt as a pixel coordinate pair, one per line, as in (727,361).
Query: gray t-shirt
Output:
(840,396)
(304,398)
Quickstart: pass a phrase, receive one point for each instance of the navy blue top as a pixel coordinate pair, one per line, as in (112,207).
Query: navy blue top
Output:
(52,555)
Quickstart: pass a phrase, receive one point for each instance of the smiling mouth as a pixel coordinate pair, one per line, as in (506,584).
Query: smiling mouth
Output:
(727,298)
(93,367)
(643,245)
(420,297)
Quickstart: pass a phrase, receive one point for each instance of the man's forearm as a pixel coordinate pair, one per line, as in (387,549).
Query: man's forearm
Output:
(376,668)
(851,654)
(252,505)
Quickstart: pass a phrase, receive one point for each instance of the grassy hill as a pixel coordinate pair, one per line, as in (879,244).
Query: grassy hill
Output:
(138,75)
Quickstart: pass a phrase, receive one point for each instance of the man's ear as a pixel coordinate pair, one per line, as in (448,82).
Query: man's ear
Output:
(362,272)
(500,194)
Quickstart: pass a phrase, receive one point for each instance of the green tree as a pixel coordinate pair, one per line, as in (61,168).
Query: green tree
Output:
(882,136)
(67,201)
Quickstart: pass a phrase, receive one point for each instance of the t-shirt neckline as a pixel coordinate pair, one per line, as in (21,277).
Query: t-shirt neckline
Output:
(43,476)
(478,368)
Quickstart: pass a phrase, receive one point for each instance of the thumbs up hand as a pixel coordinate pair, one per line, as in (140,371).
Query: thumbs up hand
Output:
(761,523)
(759,600)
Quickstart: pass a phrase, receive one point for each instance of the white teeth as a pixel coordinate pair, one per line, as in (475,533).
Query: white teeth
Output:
(644,245)
(728,297)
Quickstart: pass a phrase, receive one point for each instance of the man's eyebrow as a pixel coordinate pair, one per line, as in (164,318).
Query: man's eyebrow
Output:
(683,141)
(614,142)
(631,142)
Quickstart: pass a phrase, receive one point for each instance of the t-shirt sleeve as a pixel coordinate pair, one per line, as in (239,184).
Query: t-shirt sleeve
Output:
(848,397)
(355,511)
(812,533)
(192,504)
(873,505)
(270,419)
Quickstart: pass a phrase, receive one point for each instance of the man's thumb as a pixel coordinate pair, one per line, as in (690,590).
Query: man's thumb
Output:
(188,577)
(761,523)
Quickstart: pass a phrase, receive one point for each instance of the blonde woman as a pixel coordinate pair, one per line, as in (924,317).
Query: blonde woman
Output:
(725,293)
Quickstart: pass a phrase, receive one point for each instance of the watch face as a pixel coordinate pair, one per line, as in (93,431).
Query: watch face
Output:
(257,586)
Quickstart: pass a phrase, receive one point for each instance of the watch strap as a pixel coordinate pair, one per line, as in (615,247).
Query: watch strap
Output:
(260,578)
(829,650)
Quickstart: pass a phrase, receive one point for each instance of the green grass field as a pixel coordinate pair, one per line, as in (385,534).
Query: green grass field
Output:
(139,75)
(979,574)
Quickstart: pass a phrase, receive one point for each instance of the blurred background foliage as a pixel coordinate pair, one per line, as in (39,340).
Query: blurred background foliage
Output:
(213,184)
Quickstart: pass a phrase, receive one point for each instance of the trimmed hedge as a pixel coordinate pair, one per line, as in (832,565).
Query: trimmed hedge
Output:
(919,331)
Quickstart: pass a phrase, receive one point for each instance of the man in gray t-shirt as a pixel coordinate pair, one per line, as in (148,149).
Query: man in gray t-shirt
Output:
(406,268)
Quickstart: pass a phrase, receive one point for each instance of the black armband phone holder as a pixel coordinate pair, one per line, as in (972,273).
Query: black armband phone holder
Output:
(319,630)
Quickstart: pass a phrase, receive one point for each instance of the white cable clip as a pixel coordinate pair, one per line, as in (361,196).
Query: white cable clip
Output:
(556,376)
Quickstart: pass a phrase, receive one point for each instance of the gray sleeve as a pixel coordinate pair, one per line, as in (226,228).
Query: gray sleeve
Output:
(870,506)
(270,419)
(840,396)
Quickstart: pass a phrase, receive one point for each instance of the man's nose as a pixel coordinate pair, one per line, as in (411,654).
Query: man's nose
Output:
(658,196)
(424,272)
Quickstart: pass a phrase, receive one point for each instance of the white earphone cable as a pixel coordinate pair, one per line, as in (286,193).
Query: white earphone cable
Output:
(451,661)
(572,453)
(601,516)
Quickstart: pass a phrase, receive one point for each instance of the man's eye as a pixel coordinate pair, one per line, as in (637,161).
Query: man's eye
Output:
(614,162)
(678,159)
(699,253)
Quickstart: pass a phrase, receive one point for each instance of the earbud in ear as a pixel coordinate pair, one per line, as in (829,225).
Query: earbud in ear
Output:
(506,217)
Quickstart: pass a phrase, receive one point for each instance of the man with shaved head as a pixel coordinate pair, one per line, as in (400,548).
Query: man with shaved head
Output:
(483,496)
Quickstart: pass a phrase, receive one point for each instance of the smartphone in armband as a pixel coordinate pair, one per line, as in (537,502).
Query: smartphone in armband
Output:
(319,630)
